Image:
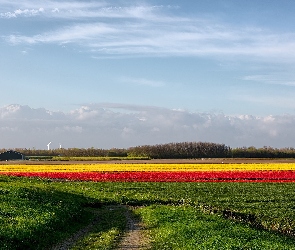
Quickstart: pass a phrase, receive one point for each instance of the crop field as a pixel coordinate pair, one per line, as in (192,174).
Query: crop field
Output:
(275,172)
(182,206)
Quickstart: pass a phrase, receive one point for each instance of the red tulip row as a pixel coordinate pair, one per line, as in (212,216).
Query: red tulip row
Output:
(204,176)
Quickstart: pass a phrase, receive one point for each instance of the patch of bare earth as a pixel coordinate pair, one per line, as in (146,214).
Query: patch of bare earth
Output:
(135,236)
(162,161)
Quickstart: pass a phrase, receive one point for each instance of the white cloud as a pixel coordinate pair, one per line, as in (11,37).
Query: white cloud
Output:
(142,81)
(24,12)
(18,112)
(144,30)
(273,101)
(75,129)
(271,79)
(73,34)
(77,10)
(99,126)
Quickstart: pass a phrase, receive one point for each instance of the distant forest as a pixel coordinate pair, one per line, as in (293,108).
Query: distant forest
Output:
(182,150)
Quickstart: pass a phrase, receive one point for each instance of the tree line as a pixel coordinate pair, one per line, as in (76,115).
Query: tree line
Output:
(181,150)
(264,152)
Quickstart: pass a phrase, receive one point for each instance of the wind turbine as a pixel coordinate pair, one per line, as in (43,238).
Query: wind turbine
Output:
(48,145)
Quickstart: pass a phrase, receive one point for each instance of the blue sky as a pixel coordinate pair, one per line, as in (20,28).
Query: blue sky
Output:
(132,59)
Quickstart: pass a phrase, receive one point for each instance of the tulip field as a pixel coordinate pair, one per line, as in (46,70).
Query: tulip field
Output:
(271,172)
(183,206)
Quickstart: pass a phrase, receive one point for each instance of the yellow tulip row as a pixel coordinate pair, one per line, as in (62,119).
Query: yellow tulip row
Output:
(145,167)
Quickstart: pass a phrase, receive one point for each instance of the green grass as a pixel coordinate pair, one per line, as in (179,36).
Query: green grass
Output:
(31,208)
(28,212)
(106,232)
(186,227)
(272,205)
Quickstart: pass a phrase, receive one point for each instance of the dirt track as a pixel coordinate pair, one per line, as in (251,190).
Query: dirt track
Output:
(167,161)
(133,238)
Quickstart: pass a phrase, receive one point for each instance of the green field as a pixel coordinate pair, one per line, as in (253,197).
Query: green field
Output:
(36,213)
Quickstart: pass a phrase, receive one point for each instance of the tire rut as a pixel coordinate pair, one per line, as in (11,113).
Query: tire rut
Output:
(135,235)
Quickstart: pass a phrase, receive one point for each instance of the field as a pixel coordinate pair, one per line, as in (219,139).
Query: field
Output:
(176,214)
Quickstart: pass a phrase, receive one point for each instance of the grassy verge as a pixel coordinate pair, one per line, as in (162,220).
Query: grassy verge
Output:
(85,158)
(97,158)
(186,227)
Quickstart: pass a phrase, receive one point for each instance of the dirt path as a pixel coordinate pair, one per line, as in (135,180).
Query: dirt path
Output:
(133,238)
(161,161)
(135,235)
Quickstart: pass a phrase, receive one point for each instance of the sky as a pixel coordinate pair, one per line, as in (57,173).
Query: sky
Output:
(118,74)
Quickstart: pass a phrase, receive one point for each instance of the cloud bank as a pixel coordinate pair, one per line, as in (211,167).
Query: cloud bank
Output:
(108,125)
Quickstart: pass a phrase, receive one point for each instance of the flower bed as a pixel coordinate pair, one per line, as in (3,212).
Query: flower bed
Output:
(272,172)
(127,167)
(167,176)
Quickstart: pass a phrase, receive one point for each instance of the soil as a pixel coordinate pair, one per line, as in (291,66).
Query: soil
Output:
(135,235)
(167,161)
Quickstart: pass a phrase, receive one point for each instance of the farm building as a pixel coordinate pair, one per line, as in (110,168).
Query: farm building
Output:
(11,155)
